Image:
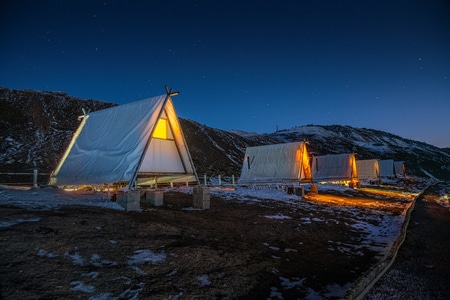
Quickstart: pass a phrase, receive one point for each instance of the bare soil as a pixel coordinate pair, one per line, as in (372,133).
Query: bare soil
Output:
(231,251)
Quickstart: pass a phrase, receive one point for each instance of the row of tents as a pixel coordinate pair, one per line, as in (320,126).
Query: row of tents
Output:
(290,162)
(141,143)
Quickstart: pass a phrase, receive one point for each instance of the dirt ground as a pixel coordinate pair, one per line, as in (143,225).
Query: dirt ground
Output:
(231,251)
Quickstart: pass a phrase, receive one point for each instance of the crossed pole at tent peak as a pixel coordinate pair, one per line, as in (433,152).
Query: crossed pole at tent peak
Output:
(170,92)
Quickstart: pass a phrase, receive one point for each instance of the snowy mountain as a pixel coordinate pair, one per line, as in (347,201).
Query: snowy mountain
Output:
(36,127)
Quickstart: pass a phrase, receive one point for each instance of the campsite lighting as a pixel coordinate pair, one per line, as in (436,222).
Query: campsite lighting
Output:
(69,148)
(390,193)
(376,199)
(161,129)
(334,168)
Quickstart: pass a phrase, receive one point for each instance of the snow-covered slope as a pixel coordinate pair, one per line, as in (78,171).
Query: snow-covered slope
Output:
(35,128)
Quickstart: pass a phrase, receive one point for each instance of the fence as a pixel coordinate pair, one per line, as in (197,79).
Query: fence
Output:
(23,178)
(35,179)
(218,181)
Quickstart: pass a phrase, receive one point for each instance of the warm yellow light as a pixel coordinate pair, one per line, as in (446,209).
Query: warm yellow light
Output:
(396,203)
(161,129)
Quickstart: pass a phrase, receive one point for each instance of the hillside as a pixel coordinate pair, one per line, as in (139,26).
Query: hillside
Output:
(36,126)
(421,159)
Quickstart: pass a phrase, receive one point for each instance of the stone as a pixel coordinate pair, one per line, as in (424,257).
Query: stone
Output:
(155,198)
(201,197)
(130,200)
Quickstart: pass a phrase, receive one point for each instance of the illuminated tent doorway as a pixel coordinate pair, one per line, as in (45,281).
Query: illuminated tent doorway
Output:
(287,162)
(139,143)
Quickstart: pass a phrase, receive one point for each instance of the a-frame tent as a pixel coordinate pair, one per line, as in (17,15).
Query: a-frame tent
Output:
(386,168)
(399,168)
(136,143)
(288,163)
(368,169)
(334,167)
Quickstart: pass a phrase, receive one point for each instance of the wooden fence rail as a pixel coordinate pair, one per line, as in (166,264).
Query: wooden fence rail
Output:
(34,175)
(207,180)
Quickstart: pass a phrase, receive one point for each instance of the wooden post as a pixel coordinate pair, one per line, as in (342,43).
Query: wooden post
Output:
(35,173)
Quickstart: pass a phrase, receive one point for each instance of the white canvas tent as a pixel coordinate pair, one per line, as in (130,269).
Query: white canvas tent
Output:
(334,167)
(368,169)
(136,143)
(386,168)
(287,162)
(399,168)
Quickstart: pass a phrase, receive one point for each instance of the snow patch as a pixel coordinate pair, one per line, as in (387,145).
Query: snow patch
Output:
(80,286)
(337,291)
(146,256)
(18,221)
(203,280)
(76,258)
(278,217)
(43,253)
(51,198)
(288,284)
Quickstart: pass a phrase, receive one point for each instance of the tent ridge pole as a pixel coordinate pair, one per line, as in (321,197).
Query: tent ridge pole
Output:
(53,176)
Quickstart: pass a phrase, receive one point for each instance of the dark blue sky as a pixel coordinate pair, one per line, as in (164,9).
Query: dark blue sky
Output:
(248,65)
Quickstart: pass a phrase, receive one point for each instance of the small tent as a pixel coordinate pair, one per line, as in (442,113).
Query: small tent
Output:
(136,143)
(287,162)
(386,168)
(399,168)
(368,169)
(334,167)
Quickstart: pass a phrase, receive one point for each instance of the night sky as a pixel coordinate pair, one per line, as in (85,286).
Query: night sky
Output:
(249,65)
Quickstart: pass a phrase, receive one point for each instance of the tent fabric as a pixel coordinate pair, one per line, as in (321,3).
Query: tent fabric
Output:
(110,146)
(275,163)
(399,168)
(386,168)
(367,169)
(334,167)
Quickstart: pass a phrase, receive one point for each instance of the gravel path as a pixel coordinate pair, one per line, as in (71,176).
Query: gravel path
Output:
(422,268)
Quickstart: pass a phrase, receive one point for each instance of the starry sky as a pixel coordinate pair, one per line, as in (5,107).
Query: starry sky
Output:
(250,65)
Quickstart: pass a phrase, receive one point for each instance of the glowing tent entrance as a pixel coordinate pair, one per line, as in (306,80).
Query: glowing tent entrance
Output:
(334,167)
(137,143)
(287,162)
